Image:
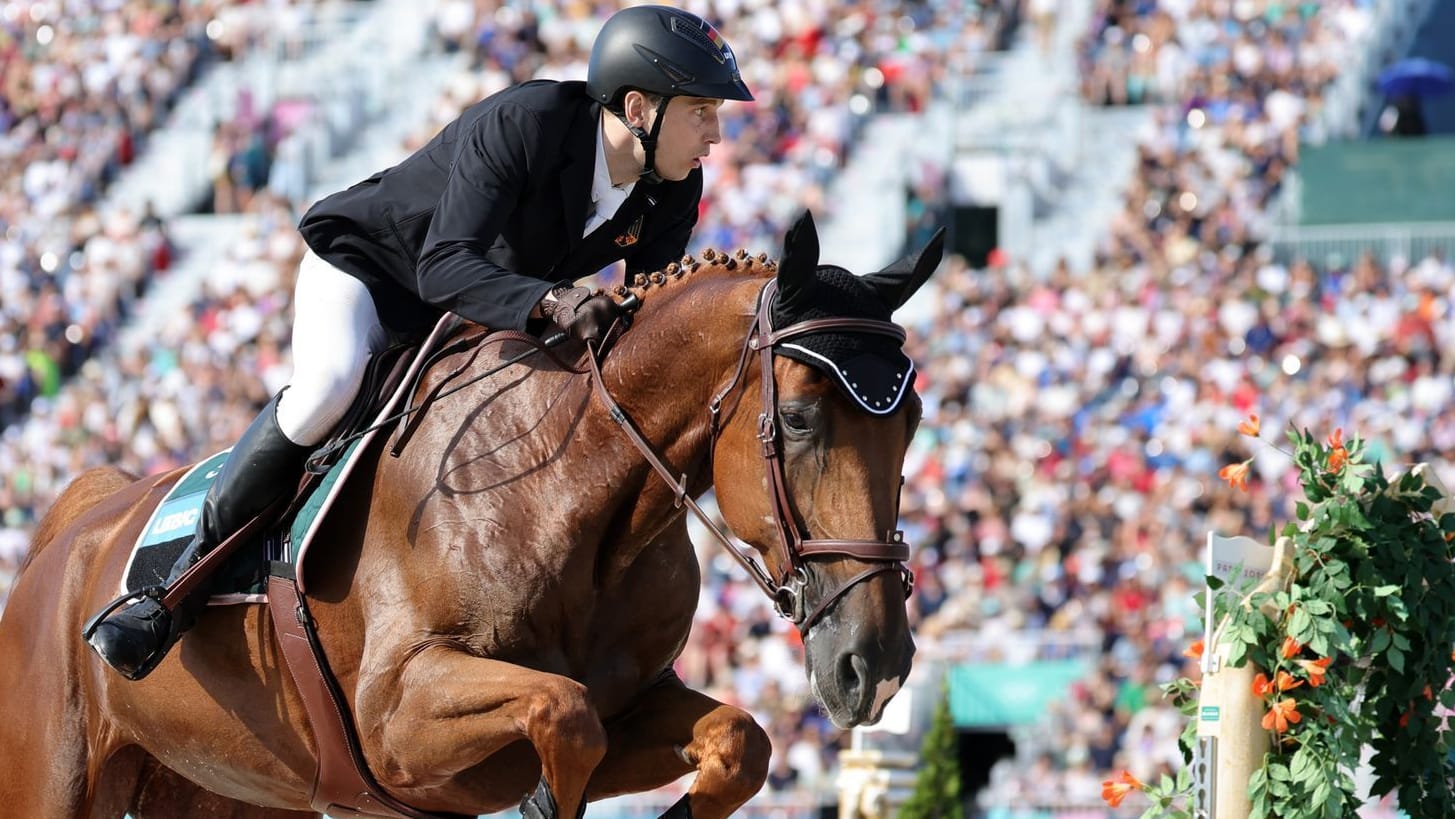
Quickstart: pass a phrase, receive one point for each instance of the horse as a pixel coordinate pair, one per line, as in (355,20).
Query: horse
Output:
(502,602)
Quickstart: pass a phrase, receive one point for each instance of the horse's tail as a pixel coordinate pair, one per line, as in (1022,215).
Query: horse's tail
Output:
(88,489)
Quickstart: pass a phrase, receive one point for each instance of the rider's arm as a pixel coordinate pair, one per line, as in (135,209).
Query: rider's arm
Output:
(491,165)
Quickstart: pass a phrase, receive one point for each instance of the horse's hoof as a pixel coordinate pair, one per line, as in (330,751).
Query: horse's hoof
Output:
(135,640)
(539,805)
(542,804)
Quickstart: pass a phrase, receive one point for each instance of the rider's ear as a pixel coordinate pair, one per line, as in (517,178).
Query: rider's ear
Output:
(634,106)
(897,282)
(797,270)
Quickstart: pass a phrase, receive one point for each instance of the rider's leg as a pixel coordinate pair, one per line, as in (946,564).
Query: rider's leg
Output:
(335,330)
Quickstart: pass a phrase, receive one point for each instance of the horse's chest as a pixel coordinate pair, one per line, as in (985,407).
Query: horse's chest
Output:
(615,638)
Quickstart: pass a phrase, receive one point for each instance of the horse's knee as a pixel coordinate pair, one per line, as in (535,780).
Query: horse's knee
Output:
(561,716)
(736,752)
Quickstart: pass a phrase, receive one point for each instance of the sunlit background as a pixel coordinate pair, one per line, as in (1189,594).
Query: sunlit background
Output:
(1163,215)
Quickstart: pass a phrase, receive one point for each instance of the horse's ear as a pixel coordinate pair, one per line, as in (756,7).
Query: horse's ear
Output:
(797,272)
(897,282)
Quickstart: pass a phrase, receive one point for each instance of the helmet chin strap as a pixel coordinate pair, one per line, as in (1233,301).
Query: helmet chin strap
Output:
(649,141)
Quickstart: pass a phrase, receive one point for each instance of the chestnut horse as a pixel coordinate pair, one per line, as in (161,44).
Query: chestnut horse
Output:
(503,602)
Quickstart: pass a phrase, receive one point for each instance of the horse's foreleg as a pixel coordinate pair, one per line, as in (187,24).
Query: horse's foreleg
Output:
(455,710)
(672,730)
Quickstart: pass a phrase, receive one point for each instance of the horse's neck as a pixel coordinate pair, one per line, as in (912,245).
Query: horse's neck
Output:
(533,445)
(663,374)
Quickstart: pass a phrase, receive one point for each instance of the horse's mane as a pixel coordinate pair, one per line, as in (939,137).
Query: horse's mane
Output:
(713,264)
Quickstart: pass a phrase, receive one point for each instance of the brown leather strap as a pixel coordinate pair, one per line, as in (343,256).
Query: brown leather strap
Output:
(679,485)
(885,556)
(343,785)
(850,325)
(861,549)
(204,568)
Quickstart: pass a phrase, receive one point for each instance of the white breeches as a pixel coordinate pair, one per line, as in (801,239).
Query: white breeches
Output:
(335,331)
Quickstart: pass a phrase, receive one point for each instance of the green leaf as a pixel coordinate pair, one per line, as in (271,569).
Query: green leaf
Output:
(1321,792)
(1301,626)
(1385,591)
(1380,641)
(1305,766)
(1395,658)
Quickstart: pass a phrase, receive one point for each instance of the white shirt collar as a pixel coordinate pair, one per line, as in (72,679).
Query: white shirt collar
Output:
(605,198)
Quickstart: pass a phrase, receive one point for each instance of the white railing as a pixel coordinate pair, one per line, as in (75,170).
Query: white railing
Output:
(1318,243)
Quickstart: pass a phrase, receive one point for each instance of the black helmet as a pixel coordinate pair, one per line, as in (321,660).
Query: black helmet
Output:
(663,51)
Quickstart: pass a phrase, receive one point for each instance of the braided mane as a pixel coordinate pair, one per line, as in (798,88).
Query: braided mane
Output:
(713,262)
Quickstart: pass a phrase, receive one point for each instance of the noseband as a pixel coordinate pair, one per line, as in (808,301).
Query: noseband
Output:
(795,545)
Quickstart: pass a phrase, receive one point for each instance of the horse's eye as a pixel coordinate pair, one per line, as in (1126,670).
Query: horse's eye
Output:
(796,421)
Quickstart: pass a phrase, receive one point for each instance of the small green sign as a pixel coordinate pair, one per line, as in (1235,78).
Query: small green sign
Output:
(1209,713)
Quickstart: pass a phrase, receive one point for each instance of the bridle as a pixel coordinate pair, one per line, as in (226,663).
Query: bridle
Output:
(795,546)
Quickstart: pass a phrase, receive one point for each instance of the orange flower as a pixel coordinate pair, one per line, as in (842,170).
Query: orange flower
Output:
(1280,714)
(1337,458)
(1194,651)
(1250,427)
(1404,720)
(1429,695)
(1262,687)
(1288,682)
(1336,438)
(1236,475)
(1291,648)
(1114,790)
(1316,669)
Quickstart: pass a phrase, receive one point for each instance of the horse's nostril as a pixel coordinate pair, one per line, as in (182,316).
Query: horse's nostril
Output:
(853,678)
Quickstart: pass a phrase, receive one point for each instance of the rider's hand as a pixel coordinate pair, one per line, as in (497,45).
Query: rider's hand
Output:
(584,313)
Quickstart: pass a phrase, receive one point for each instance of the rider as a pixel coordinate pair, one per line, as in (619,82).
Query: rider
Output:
(527,191)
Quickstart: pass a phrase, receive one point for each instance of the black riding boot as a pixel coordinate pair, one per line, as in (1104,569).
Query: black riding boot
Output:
(263,466)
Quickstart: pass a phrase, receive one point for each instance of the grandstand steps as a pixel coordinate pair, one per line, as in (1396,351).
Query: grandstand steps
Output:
(865,229)
(372,87)
(203,242)
(383,143)
(1024,140)
(1071,219)
(353,57)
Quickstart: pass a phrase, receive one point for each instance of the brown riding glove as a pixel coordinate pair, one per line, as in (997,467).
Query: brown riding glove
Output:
(583,313)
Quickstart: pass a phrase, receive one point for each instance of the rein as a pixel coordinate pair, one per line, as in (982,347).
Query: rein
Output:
(795,544)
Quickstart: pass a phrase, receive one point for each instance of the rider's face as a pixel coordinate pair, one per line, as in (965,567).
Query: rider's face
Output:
(688,133)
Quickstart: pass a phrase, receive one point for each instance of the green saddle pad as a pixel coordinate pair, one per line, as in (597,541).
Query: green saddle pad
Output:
(174,522)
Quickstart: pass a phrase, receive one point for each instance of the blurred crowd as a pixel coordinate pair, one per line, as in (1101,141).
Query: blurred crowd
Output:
(1060,488)
(1070,478)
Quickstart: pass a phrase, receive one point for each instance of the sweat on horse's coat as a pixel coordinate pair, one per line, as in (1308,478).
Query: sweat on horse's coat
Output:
(505,603)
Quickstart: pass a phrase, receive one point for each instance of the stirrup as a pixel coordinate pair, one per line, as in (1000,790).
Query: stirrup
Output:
(156,591)
(155,657)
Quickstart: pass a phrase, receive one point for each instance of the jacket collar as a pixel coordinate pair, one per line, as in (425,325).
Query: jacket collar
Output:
(577,170)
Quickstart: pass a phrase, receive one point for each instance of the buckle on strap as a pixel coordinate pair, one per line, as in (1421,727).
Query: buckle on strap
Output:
(788,597)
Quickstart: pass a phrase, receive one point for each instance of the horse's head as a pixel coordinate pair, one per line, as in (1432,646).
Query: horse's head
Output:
(809,474)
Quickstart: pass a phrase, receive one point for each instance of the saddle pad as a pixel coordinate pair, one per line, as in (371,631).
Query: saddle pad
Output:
(170,529)
(174,521)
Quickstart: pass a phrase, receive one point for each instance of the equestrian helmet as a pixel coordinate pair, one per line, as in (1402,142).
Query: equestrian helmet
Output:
(663,51)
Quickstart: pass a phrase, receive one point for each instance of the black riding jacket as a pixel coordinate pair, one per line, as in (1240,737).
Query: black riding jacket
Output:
(484,219)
